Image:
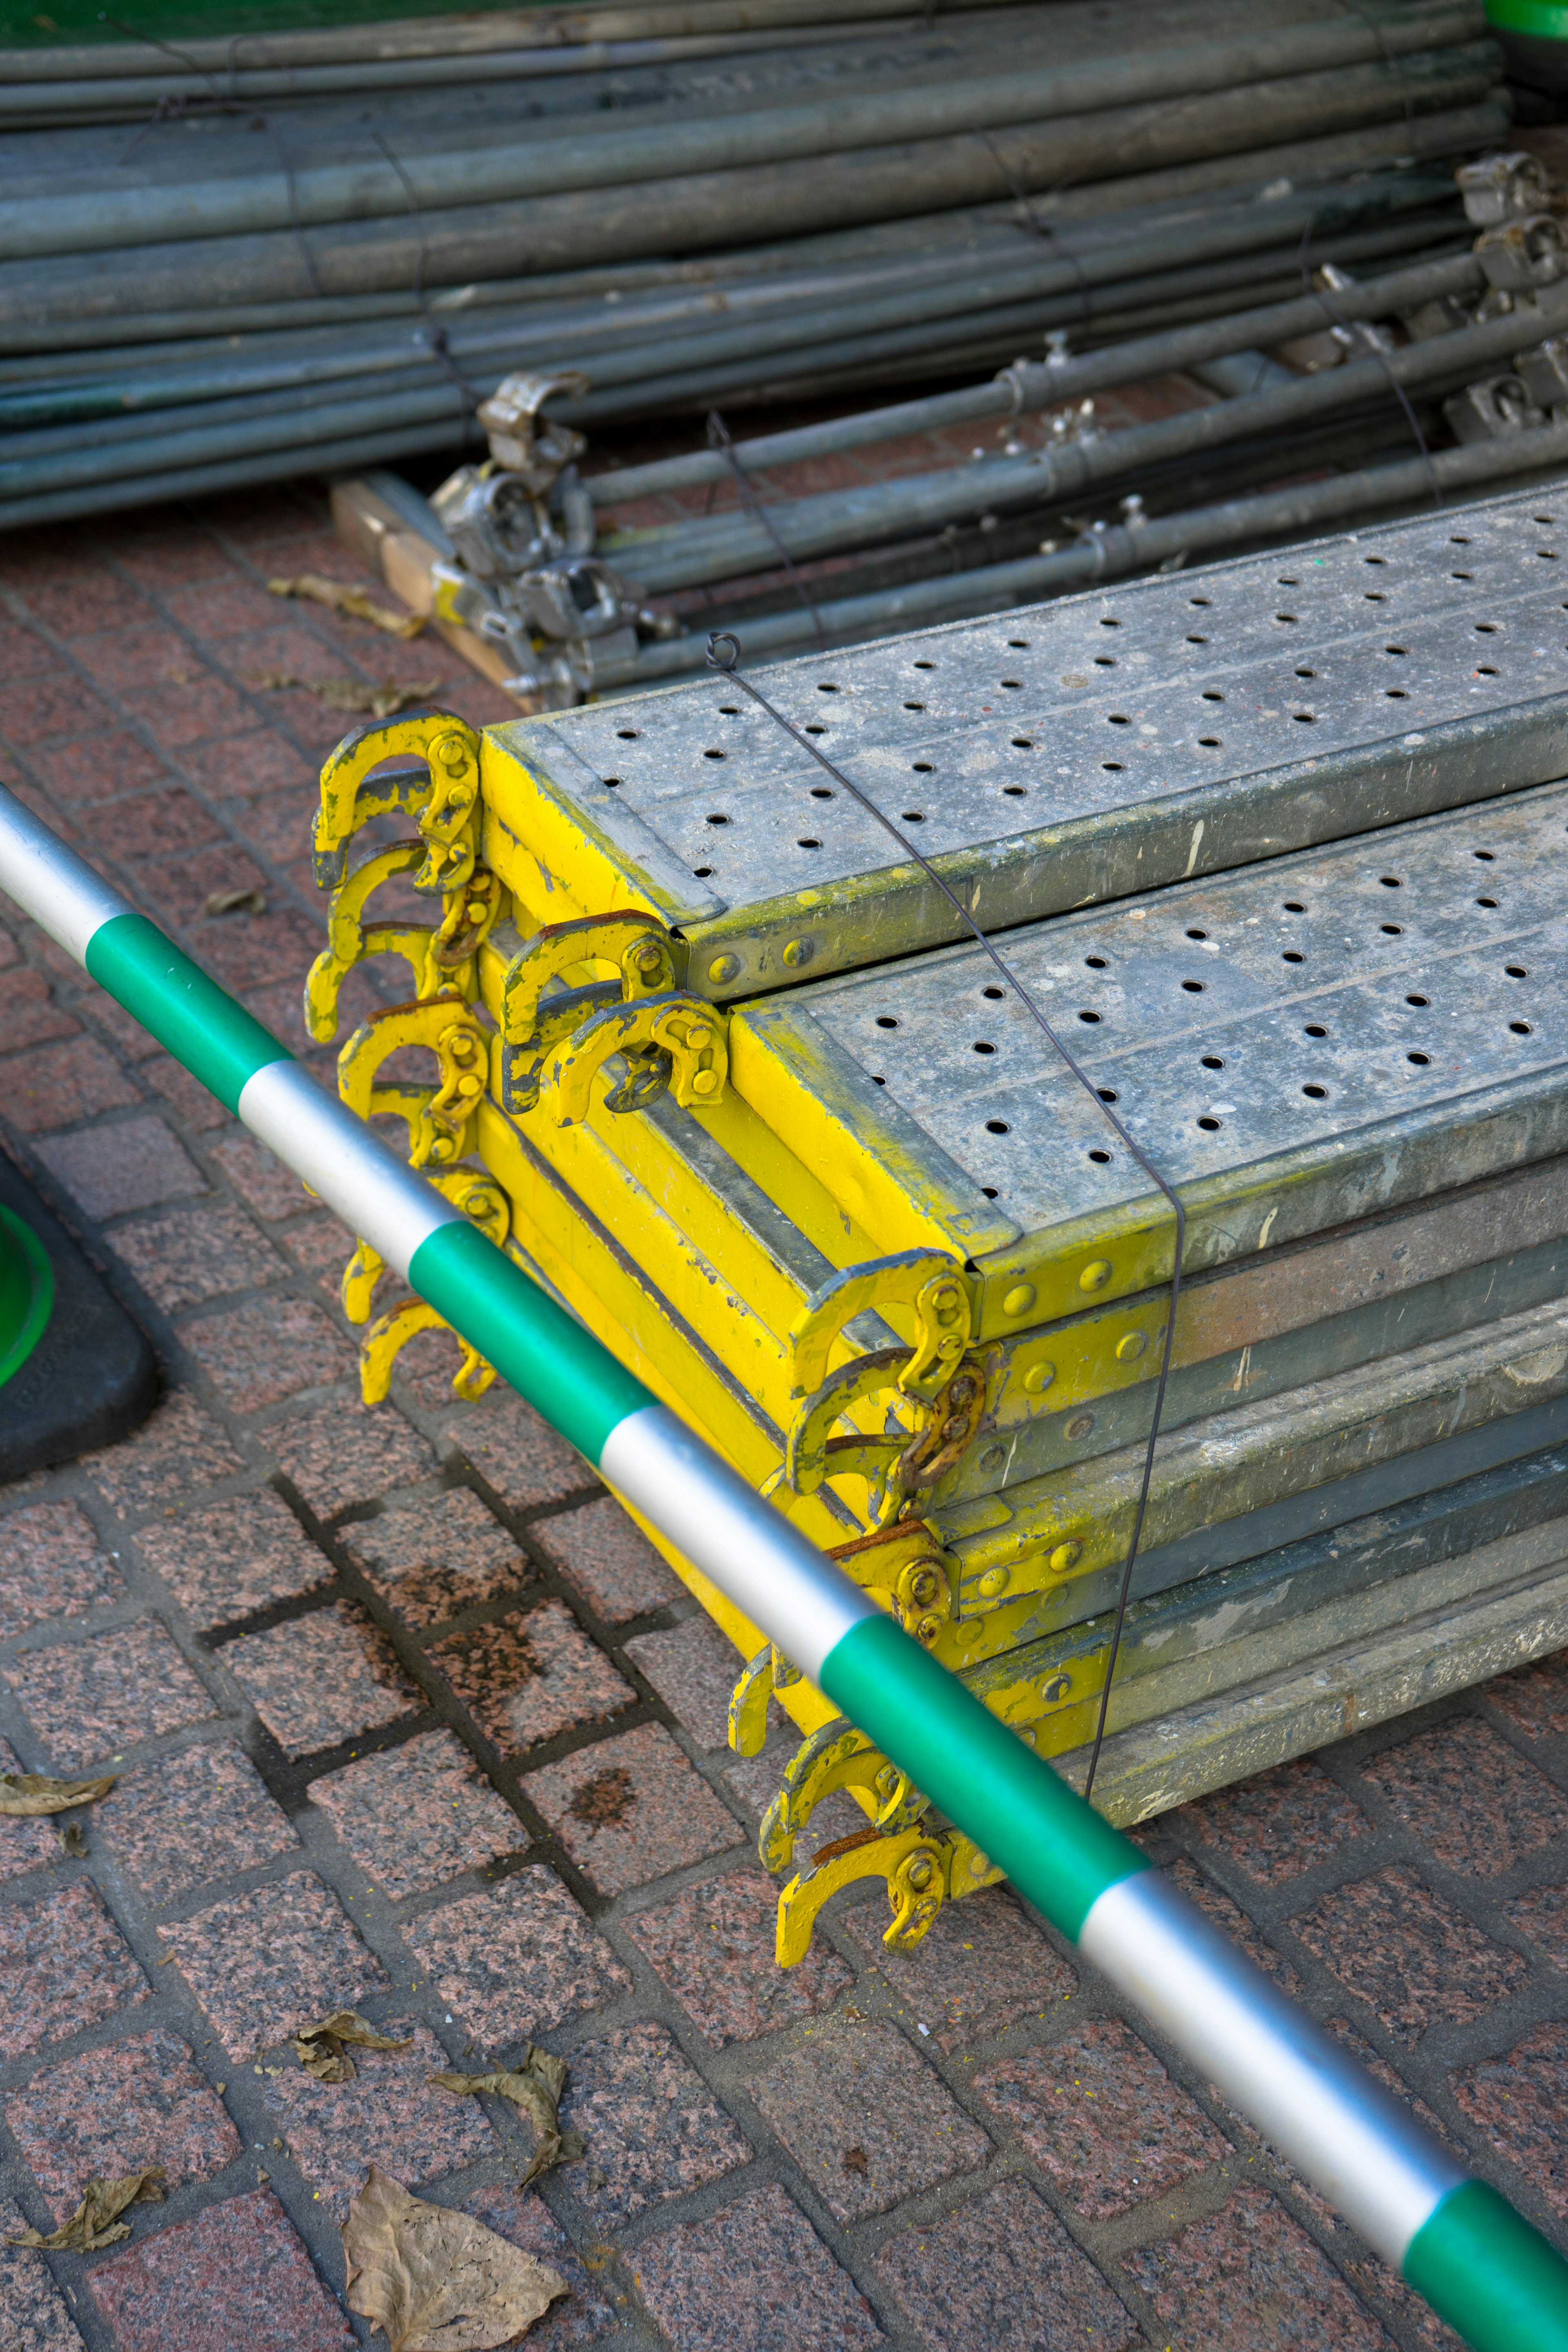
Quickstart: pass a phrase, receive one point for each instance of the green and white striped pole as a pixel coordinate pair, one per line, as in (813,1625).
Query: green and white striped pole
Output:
(1477,2263)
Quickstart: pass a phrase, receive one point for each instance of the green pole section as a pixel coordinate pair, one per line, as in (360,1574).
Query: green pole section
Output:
(1491,2275)
(216,1039)
(1051,1843)
(531,1341)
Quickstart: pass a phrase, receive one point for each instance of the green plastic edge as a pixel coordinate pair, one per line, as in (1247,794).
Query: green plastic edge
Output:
(1053,1846)
(548,1357)
(1546,19)
(26,1292)
(219,1042)
(1482,2267)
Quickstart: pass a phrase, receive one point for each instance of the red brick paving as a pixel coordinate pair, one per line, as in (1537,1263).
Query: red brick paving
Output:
(304,1625)
(111,2110)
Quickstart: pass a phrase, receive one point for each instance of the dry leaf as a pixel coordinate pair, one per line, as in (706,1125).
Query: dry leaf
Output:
(354,693)
(535,2087)
(34,1792)
(341,598)
(236,902)
(96,2222)
(437,2281)
(72,1841)
(321,2048)
(378,702)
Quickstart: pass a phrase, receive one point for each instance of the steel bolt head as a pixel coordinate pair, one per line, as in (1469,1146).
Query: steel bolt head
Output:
(706,1082)
(919,1873)
(1065,1556)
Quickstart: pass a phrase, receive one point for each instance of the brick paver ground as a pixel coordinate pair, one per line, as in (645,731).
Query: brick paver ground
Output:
(408,1716)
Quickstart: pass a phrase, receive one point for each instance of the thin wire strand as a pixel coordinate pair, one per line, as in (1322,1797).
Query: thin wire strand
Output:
(729,667)
(719,438)
(1372,349)
(435,332)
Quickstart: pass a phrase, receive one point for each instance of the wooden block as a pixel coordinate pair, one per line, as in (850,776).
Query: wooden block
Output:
(381,540)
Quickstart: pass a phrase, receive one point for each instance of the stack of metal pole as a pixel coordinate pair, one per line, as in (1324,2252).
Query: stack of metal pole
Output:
(829,208)
(1467,346)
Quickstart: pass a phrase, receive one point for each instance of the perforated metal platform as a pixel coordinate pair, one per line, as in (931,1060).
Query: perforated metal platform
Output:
(1071,753)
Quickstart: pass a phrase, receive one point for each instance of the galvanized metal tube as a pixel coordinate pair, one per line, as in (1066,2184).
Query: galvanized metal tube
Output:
(1112,554)
(731,544)
(1470,2253)
(428,412)
(327,456)
(679,214)
(820,305)
(50,461)
(1068,379)
(624,152)
(474,36)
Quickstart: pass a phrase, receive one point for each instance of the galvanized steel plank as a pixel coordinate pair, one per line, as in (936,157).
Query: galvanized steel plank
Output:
(1069,753)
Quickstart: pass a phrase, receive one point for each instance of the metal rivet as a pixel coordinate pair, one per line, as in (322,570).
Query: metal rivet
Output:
(979,1863)
(1065,1556)
(723,968)
(994,1580)
(993,1457)
(1131,1346)
(1038,1378)
(1081,1424)
(798,952)
(1095,1275)
(1057,1688)
(1019,1300)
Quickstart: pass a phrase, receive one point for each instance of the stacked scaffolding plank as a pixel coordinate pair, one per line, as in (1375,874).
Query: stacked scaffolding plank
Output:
(1275,847)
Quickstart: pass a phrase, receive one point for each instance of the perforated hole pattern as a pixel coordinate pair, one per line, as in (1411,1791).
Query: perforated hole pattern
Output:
(987,730)
(1229,1021)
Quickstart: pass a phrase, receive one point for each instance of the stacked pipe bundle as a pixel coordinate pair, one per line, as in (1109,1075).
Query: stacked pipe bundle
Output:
(804,204)
(1392,369)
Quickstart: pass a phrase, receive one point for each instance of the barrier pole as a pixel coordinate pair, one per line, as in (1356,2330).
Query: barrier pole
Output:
(1479,2264)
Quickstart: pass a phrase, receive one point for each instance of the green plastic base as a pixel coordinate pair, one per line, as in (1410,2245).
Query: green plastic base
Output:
(26,1292)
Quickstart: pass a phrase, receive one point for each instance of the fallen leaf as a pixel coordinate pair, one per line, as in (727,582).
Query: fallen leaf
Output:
(321,2048)
(437,2281)
(72,1841)
(34,1792)
(236,902)
(536,2087)
(379,701)
(96,2222)
(341,598)
(354,693)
